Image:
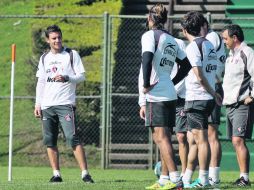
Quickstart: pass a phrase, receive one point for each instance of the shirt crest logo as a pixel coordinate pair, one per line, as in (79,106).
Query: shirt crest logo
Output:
(54,69)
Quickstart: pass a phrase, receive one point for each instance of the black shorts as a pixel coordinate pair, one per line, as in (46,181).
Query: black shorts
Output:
(198,112)
(214,118)
(181,117)
(160,114)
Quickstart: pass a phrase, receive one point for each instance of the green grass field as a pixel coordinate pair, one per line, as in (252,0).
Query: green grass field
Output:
(27,178)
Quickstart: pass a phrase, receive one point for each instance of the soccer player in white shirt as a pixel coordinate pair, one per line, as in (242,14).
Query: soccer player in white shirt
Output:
(181,127)
(214,118)
(200,91)
(157,94)
(58,73)
(238,85)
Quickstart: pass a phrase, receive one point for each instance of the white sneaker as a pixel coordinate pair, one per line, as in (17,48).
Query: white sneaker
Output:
(214,183)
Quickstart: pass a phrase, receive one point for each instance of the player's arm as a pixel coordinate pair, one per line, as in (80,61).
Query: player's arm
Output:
(250,69)
(148,50)
(39,92)
(147,58)
(184,69)
(77,78)
(78,71)
(40,74)
(203,81)
(142,96)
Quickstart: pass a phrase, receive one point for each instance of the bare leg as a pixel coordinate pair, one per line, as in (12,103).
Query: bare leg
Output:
(183,150)
(80,156)
(192,159)
(53,155)
(215,145)
(164,169)
(193,152)
(162,140)
(242,152)
(201,139)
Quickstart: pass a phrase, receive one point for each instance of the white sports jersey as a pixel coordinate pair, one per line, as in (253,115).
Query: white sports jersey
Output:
(218,45)
(207,60)
(180,87)
(163,61)
(238,82)
(58,93)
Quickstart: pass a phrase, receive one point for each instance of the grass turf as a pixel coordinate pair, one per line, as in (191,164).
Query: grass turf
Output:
(28,178)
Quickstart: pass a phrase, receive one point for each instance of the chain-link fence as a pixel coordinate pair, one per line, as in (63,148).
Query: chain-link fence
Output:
(107,103)
(82,33)
(128,142)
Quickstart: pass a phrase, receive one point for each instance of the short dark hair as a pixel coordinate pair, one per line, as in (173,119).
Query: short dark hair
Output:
(235,29)
(192,22)
(158,13)
(204,21)
(52,28)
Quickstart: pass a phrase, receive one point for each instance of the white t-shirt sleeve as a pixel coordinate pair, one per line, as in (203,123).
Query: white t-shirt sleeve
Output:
(40,69)
(250,68)
(193,54)
(214,39)
(181,51)
(180,54)
(77,63)
(181,44)
(39,91)
(148,42)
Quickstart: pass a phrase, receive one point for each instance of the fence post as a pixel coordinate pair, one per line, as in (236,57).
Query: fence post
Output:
(109,91)
(104,92)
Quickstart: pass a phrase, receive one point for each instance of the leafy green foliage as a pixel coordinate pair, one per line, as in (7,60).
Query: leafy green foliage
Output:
(82,34)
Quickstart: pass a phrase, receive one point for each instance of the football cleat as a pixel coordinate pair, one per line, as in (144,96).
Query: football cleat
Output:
(214,183)
(88,179)
(242,182)
(55,179)
(197,184)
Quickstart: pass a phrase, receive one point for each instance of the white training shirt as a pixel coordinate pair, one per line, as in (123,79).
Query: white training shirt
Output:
(58,93)
(218,45)
(180,87)
(238,82)
(194,90)
(162,65)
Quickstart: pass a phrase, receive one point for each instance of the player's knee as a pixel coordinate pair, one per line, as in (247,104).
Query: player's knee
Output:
(181,137)
(212,138)
(72,140)
(49,141)
(157,140)
(237,141)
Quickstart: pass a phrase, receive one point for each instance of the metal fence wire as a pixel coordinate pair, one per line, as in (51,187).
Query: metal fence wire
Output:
(28,148)
(107,103)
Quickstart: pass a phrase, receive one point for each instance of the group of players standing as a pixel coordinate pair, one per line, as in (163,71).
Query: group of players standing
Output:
(185,88)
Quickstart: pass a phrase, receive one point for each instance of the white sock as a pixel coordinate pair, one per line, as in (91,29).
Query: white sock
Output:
(245,176)
(187,176)
(214,173)
(181,175)
(163,179)
(174,176)
(84,173)
(56,173)
(203,176)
